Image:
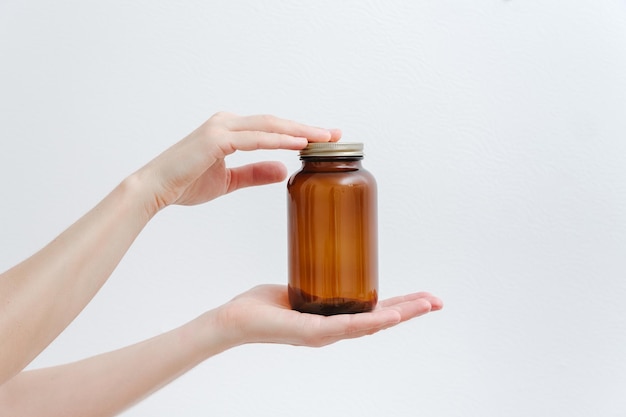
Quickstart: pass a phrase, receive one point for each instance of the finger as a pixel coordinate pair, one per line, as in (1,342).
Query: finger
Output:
(253,140)
(403,298)
(335,135)
(411,309)
(272,124)
(259,173)
(435,302)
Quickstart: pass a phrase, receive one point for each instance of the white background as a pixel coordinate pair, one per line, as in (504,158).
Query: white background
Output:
(497,133)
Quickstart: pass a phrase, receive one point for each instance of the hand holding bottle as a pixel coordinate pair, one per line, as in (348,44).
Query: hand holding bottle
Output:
(43,294)
(264,315)
(193,170)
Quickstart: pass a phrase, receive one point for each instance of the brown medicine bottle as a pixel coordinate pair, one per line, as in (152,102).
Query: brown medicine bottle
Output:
(332,231)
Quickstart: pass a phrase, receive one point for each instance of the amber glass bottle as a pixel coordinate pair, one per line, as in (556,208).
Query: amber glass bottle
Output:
(333,236)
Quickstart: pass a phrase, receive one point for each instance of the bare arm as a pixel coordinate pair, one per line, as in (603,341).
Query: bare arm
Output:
(106,384)
(109,383)
(42,295)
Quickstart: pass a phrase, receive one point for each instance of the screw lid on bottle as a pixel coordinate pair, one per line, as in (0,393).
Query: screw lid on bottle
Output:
(332,149)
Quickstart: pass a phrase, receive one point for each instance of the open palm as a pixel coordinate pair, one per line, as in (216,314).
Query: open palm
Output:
(263,315)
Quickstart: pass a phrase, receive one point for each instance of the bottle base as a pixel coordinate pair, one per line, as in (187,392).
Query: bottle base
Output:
(307,303)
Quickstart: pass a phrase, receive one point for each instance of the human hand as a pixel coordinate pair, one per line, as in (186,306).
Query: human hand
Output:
(193,170)
(263,315)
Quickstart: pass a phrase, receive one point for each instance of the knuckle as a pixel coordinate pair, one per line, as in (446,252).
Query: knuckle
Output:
(269,120)
(221,115)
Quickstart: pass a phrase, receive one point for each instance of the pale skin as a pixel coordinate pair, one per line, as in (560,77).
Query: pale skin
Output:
(42,295)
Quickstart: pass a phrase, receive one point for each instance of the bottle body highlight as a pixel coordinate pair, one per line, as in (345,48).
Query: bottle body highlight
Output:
(332,232)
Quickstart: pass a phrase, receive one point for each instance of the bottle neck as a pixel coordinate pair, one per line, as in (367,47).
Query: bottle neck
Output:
(326,164)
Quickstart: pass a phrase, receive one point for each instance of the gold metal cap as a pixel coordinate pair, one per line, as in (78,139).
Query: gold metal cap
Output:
(332,149)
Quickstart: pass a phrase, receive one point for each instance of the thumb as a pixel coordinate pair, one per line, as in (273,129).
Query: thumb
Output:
(259,173)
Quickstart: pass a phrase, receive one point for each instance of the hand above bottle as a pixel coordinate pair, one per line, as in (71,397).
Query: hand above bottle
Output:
(193,170)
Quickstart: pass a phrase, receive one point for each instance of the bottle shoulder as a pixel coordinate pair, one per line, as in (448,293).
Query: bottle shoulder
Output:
(332,178)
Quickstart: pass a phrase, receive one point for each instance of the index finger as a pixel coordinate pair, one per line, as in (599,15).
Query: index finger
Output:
(273,124)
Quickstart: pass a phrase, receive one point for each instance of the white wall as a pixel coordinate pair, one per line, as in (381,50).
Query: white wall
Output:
(496,130)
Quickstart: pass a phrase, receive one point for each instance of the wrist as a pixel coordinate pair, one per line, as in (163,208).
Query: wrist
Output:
(137,188)
(208,335)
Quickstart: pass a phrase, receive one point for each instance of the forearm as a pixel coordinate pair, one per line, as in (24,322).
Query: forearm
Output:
(42,295)
(107,384)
